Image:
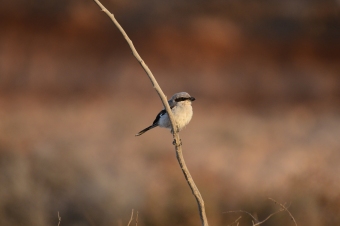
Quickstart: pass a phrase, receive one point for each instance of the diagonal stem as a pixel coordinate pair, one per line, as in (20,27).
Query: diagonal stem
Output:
(177,140)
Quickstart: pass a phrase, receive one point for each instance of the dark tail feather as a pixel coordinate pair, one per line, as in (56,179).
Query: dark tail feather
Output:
(146,129)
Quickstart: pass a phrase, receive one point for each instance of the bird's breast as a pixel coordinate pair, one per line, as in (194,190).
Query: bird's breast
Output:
(182,114)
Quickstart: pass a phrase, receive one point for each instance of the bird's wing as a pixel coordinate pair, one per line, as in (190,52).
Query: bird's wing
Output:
(172,104)
(158,116)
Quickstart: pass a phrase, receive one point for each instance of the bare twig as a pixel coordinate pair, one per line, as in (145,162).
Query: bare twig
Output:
(285,208)
(59,219)
(235,222)
(177,140)
(137,219)
(256,222)
(242,211)
(141,61)
(130,218)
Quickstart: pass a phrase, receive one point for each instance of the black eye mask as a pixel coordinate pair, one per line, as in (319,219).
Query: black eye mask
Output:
(179,99)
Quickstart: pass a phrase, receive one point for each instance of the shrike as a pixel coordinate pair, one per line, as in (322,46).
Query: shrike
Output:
(180,105)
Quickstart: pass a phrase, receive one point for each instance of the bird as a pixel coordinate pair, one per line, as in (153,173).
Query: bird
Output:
(180,104)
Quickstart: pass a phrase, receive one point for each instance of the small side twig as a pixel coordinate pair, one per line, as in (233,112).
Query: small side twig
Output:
(261,222)
(256,222)
(130,218)
(242,211)
(235,222)
(137,219)
(59,218)
(283,207)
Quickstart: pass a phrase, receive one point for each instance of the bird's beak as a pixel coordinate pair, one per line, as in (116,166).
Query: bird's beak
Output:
(192,98)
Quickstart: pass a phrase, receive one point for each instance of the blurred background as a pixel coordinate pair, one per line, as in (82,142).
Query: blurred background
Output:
(266,78)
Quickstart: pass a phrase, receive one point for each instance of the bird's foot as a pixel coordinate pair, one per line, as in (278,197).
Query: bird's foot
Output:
(180,143)
(177,130)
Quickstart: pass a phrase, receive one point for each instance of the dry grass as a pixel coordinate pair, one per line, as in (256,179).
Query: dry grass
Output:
(80,158)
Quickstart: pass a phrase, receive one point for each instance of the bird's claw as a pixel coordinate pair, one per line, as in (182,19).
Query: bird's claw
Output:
(177,130)
(180,143)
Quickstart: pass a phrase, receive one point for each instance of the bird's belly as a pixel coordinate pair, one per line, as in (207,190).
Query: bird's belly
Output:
(183,117)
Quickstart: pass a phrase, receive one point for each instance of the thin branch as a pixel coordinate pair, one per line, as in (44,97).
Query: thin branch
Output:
(283,207)
(255,221)
(137,219)
(258,223)
(130,218)
(236,221)
(242,211)
(59,219)
(142,63)
(177,140)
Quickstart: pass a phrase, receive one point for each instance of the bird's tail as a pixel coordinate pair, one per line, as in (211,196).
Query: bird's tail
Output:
(146,129)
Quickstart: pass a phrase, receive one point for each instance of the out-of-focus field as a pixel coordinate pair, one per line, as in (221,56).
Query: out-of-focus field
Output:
(266,120)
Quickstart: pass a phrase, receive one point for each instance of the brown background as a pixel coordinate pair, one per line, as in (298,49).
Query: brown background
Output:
(266,76)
